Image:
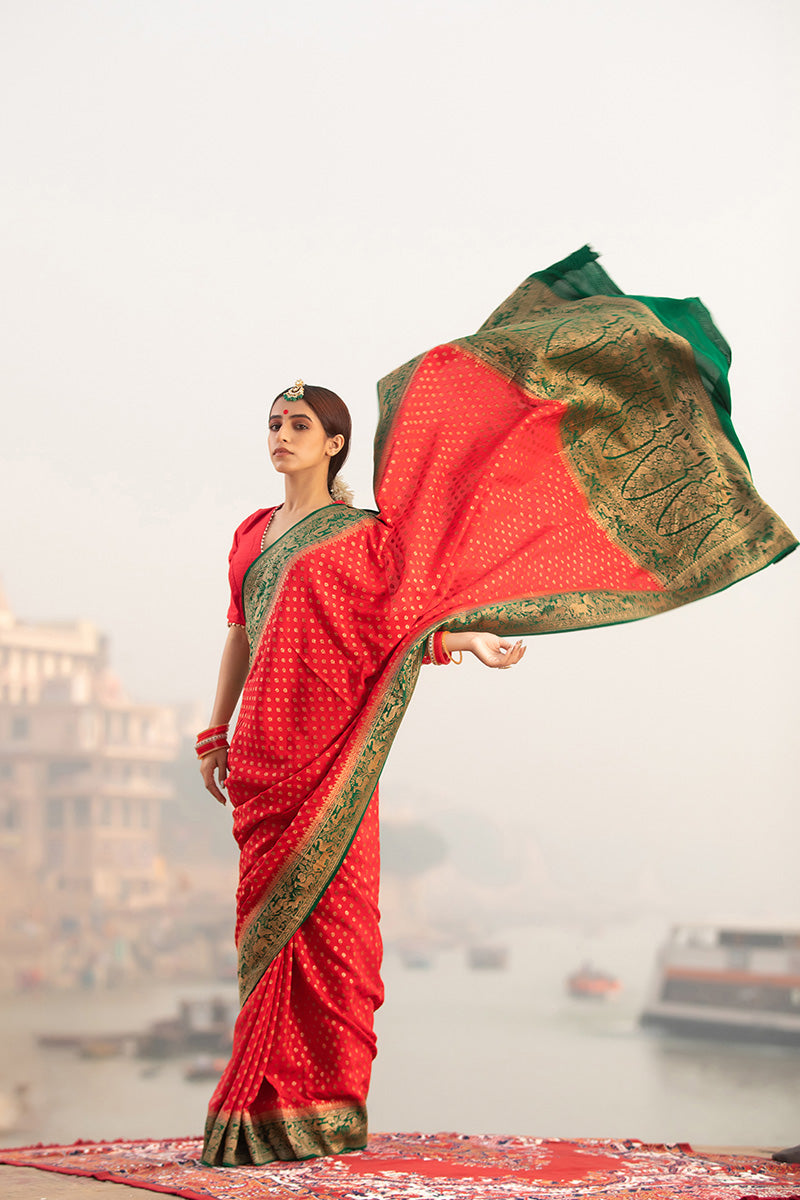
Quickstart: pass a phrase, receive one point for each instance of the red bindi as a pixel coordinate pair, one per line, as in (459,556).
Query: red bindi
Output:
(286,412)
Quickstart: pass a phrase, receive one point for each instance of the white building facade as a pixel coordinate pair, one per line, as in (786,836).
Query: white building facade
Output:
(83,772)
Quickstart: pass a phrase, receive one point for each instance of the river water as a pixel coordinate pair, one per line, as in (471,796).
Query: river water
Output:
(477,1051)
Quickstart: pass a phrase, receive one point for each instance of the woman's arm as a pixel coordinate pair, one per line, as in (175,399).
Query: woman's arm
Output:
(232,674)
(488,647)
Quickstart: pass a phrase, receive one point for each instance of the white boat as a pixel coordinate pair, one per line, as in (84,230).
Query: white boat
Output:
(731,981)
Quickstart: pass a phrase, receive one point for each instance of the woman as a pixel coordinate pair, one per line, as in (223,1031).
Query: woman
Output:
(322,658)
(570,465)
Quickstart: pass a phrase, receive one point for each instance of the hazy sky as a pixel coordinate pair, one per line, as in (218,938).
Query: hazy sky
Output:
(202,201)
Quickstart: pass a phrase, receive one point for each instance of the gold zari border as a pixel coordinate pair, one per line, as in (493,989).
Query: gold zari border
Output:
(265,574)
(642,439)
(296,891)
(239,1139)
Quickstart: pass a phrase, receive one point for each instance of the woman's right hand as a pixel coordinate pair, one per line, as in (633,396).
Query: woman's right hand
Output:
(213,764)
(232,674)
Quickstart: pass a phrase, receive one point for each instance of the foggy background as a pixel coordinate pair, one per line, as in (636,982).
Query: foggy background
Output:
(203,201)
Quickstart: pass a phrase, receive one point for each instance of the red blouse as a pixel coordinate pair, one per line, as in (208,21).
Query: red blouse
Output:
(245,549)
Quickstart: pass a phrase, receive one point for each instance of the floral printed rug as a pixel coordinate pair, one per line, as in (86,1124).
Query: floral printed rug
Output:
(437,1166)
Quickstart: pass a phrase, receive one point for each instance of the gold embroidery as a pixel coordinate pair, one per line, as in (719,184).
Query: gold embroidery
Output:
(391,390)
(642,440)
(239,1138)
(305,876)
(264,576)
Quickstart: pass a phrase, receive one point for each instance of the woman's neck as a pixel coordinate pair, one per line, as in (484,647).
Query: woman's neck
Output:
(305,495)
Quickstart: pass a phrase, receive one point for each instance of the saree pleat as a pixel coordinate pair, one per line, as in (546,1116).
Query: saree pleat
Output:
(572,464)
(297,1082)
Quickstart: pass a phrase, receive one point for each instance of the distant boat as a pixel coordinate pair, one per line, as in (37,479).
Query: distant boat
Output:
(488,957)
(728,982)
(416,957)
(89,1045)
(104,1047)
(588,983)
(204,1067)
(60,1041)
(200,1026)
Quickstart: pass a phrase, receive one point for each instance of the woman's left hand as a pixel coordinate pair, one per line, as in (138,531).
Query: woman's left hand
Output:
(488,647)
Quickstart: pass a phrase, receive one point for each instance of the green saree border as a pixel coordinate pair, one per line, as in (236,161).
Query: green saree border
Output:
(259,591)
(391,390)
(299,887)
(579,277)
(569,612)
(651,472)
(240,1138)
(304,877)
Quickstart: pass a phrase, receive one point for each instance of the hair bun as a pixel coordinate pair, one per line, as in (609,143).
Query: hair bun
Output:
(341,493)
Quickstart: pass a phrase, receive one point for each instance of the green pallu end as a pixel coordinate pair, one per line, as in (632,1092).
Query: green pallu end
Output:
(580,276)
(646,432)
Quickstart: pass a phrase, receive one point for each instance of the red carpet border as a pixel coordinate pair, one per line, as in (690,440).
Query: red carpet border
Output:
(437,1166)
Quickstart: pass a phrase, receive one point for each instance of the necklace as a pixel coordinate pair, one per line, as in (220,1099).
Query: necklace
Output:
(266,527)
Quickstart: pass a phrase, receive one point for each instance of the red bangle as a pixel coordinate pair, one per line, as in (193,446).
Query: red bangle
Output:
(209,745)
(436,649)
(209,740)
(209,732)
(211,737)
(441,655)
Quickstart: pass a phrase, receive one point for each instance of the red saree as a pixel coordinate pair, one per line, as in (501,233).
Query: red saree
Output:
(570,465)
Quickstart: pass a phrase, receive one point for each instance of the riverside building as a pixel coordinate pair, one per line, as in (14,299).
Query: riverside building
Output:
(84,773)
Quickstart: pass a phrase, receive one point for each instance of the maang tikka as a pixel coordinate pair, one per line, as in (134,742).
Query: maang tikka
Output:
(296,392)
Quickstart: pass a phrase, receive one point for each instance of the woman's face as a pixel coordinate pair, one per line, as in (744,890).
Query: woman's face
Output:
(297,438)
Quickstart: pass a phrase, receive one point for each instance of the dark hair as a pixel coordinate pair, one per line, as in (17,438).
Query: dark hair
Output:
(335,418)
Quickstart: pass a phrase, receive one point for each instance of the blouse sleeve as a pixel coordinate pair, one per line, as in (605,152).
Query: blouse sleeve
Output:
(245,549)
(235,609)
